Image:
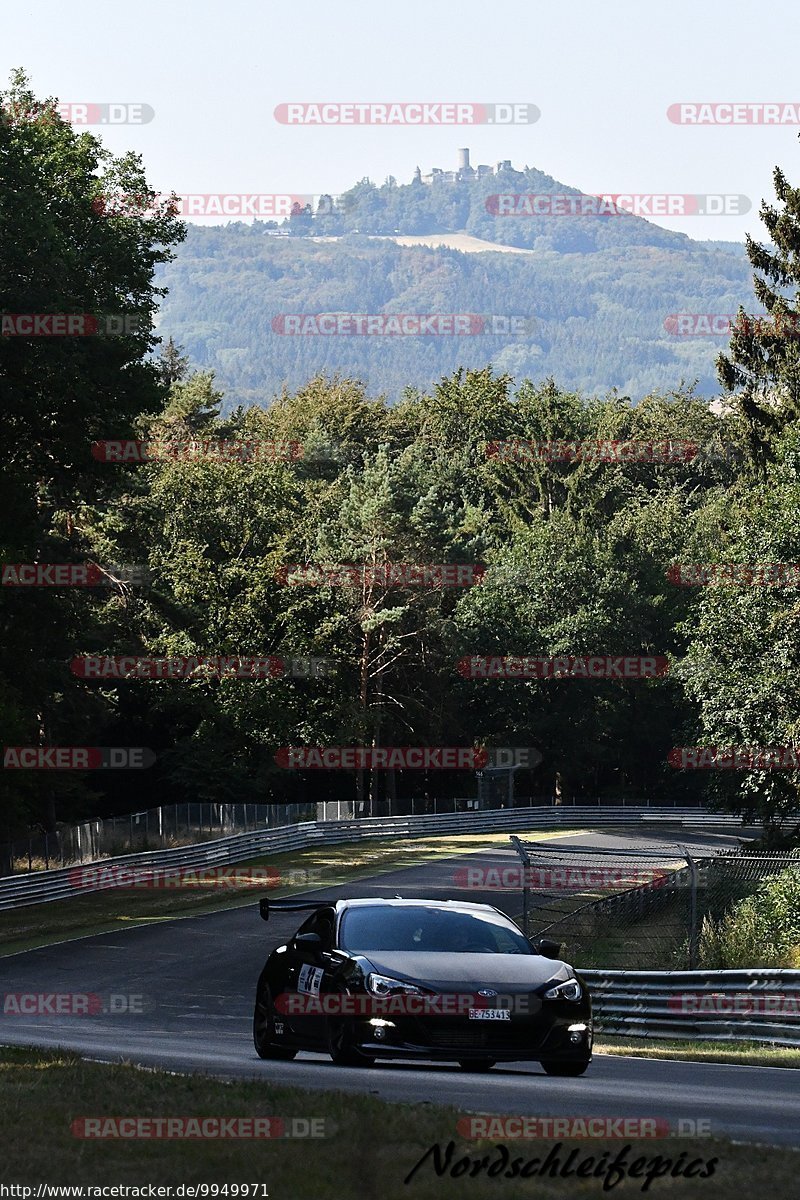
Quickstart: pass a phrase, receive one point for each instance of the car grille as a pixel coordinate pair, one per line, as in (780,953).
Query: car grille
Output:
(465,1038)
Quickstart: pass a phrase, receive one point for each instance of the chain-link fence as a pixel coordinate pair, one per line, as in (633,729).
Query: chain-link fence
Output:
(635,909)
(152,829)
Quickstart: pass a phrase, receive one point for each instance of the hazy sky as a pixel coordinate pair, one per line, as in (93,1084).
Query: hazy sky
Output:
(603,76)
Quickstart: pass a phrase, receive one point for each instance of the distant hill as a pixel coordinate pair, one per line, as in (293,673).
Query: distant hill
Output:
(597,292)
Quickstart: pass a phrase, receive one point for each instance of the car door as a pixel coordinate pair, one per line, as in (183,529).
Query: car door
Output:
(310,973)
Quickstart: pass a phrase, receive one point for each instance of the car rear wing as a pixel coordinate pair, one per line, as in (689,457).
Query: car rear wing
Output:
(267,906)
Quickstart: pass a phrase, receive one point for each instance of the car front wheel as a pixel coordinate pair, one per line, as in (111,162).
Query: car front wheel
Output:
(341,1046)
(264,1036)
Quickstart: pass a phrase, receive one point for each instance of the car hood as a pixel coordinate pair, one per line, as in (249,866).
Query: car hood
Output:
(469,970)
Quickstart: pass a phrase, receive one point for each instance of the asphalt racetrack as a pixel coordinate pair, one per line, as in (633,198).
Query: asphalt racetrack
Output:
(197,977)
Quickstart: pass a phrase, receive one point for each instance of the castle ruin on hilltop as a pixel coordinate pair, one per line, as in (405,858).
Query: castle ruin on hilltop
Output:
(464,173)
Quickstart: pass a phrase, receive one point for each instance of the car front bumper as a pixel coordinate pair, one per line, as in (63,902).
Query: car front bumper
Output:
(566,1037)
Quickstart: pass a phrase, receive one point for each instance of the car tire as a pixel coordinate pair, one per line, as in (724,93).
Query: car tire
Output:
(264,1028)
(575,1067)
(341,1048)
(478,1065)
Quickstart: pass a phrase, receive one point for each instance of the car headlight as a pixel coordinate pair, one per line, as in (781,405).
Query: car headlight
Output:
(384,985)
(570,989)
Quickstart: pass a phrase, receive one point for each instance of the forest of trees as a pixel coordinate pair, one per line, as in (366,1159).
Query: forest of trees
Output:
(578,554)
(597,302)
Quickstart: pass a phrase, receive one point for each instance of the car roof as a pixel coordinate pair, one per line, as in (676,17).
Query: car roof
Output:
(399,902)
(341,905)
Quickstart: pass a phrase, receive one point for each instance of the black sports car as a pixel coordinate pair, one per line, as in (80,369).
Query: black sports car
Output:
(420,979)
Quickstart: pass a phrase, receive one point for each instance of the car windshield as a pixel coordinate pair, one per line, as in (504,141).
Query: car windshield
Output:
(435,930)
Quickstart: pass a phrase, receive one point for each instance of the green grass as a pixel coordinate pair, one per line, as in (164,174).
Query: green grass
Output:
(370,1147)
(745,1054)
(654,942)
(103,912)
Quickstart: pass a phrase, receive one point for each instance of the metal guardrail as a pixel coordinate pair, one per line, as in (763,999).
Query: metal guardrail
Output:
(43,886)
(759,1005)
(190,822)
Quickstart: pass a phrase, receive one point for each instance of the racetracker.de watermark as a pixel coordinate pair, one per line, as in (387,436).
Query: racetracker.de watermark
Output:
(565,667)
(388,575)
(617,204)
(733,112)
(734,574)
(202,204)
(558,879)
(77,758)
(404,758)
(530,1128)
(333,324)
(213,1129)
(784,1004)
(81,112)
(194,667)
(735,758)
(72,575)
(100,878)
(778,325)
(406,113)
(212,449)
(629,451)
(27,325)
(474,1006)
(73,1004)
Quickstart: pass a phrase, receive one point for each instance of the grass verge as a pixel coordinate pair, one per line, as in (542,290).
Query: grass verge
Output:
(745,1054)
(369,1149)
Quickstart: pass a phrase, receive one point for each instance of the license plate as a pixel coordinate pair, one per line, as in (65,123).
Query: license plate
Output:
(490,1014)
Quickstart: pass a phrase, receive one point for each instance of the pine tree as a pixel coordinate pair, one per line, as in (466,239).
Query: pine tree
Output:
(763,365)
(172,365)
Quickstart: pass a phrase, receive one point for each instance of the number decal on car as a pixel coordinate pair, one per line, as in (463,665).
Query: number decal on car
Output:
(309,980)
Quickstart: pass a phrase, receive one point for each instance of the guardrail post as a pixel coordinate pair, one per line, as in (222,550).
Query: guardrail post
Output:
(692,865)
(526,862)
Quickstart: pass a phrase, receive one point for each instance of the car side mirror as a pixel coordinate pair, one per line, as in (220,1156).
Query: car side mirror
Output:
(308,941)
(546,947)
